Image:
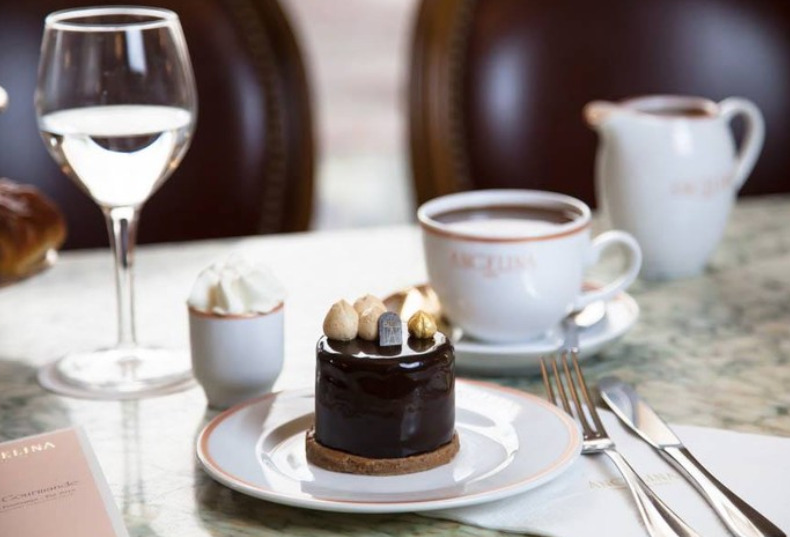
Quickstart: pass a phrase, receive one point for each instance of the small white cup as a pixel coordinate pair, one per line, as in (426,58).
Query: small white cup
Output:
(236,357)
(507,285)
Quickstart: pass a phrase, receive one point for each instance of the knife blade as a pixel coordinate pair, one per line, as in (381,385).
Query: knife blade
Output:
(739,517)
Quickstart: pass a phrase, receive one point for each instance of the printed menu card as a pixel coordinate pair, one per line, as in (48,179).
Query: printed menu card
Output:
(51,485)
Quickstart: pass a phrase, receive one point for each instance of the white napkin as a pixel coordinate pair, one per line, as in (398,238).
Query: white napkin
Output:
(590,497)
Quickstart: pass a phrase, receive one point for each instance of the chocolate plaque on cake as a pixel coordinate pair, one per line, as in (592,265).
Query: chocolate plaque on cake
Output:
(390,329)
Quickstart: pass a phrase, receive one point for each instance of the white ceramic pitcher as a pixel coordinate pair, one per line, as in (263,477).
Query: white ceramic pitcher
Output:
(668,172)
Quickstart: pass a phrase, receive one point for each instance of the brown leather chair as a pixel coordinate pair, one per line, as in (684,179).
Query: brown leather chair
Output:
(250,167)
(497,86)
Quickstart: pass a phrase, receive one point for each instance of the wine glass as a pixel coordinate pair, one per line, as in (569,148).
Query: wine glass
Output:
(116,106)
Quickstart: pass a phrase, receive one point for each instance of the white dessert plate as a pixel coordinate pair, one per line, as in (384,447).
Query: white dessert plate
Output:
(511,441)
(478,357)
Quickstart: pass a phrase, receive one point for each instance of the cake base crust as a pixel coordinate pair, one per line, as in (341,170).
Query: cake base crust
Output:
(340,461)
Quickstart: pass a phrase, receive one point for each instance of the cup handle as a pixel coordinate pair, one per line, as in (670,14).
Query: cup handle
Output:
(599,244)
(753,139)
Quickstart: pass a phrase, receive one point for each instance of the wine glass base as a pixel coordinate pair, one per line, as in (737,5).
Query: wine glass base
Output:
(118,373)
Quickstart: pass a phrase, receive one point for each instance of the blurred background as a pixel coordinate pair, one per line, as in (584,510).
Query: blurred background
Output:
(326,115)
(512,116)
(357,54)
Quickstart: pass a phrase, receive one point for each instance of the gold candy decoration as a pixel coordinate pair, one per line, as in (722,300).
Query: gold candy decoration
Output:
(422,325)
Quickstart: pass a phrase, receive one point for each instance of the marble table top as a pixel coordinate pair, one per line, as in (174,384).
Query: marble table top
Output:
(712,350)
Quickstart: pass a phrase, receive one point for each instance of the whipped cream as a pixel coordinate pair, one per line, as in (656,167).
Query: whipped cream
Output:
(236,287)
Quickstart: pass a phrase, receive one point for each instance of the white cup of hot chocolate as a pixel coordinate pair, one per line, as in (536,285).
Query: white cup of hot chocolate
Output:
(509,265)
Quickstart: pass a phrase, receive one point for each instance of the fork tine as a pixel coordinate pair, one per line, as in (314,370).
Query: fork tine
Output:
(586,394)
(582,417)
(561,387)
(547,383)
(553,395)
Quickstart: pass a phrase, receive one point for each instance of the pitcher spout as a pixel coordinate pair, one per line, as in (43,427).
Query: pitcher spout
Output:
(598,113)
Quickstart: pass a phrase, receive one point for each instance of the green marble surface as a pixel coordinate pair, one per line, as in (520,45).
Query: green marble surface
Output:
(712,350)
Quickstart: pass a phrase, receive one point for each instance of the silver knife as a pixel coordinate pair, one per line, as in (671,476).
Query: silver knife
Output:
(740,517)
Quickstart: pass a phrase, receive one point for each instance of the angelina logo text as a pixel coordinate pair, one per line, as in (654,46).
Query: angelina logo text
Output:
(702,189)
(25,451)
(661,478)
(492,266)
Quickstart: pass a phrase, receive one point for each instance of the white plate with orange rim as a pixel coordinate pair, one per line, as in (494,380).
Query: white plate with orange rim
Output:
(511,441)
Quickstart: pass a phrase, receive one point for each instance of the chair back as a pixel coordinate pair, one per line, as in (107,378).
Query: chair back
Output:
(497,86)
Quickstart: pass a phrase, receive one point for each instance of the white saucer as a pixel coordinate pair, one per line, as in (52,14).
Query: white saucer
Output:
(472,356)
(511,441)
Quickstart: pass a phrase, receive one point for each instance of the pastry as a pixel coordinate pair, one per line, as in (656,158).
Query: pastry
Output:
(30,225)
(383,407)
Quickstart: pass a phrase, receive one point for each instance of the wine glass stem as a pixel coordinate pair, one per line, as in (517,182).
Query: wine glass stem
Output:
(122,225)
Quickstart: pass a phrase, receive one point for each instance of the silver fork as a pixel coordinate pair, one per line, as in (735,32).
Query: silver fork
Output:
(659,519)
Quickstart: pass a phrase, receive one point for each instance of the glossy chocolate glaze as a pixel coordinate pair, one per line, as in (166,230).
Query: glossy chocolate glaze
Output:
(385,402)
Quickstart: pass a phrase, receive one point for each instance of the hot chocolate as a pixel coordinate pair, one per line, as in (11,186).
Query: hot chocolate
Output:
(506,220)
(687,112)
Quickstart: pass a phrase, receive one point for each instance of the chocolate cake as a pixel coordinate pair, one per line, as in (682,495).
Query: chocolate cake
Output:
(384,409)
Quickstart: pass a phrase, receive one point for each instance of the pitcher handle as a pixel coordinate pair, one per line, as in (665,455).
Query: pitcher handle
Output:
(753,139)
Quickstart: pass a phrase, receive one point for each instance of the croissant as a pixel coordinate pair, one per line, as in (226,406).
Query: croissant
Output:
(30,225)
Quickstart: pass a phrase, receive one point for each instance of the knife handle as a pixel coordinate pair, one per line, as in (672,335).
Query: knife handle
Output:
(741,518)
(659,519)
